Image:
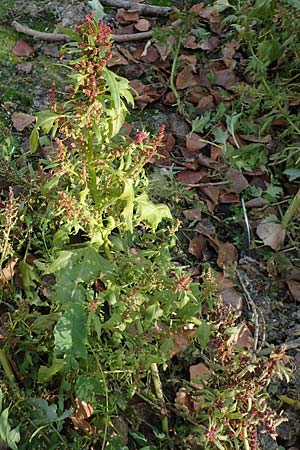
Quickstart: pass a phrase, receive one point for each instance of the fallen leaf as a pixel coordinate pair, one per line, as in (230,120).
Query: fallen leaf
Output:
(83,411)
(25,67)
(294,288)
(190,177)
(191,42)
(124,16)
(223,282)
(237,181)
(203,80)
(193,214)
(142,25)
(272,234)
(197,246)
(190,59)
(228,198)
(226,78)
(128,29)
(7,273)
(212,192)
(205,226)
(196,8)
(165,49)
(186,78)
(206,103)
(184,400)
(21,48)
(194,142)
(117,59)
(260,139)
(227,254)
(21,120)
(182,340)
(258,202)
(199,373)
(243,338)
(231,297)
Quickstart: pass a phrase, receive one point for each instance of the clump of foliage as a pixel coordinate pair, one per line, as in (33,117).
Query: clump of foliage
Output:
(90,322)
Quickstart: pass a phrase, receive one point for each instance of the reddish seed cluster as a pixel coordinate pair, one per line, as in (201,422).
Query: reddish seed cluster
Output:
(183,284)
(211,434)
(141,136)
(66,204)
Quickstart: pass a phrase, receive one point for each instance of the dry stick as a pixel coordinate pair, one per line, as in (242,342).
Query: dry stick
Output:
(150,10)
(57,37)
(289,345)
(254,310)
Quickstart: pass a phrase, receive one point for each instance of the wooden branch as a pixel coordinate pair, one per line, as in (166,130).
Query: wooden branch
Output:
(150,10)
(42,35)
(58,37)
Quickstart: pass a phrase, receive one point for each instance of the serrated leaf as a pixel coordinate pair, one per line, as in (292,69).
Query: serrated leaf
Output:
(149,212)
(70,333)
(269,51)
(98,9)
(199,124)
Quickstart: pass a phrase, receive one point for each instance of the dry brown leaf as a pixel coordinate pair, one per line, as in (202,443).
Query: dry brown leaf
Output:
(237,181)
(231,297)
(243,338)
(25,67)
(197,8)
(212,192)
(224,282)
(117,59)
(205,226)
(190,177)
(197,246)
(124,16)
(226,78)
(193,214)
(186,78)
(272,234)
(184,400)
(83,411)
(190,59)
(191,43)
(21,120)
(21,48)
(294,288)
(205,104)
(228,198)
(182,340)
(203,80)
(198,376)
(227,254)
(258,202)
(7,273)
(165,49)
(194,142)
(142,25)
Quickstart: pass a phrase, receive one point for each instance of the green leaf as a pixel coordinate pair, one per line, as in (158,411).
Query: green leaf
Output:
(33,140)
(292,174)
(98,9)
(46,373)
(203,333)
(72,34)
(70,333)
(128,197)
(149,212)
(10,436)
(88,388)
(200,123)
(220,135)
(269,51)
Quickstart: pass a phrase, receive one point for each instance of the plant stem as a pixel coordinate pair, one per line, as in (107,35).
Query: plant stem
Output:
(291,211)
(92,172)
(172,75)
(6,366)
(160,396)
(290,401)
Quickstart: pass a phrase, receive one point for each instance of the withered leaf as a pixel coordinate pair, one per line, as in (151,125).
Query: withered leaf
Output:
(294,288)
(186,78)
(21,48)
(83,411)
(227,254)
(124,16)
(7,273)
(231,297)
(272,234)
(194,142)
(197,246)
(21,120)
(190,177)
(237,181)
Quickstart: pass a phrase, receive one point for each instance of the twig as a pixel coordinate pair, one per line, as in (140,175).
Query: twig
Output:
(150,10)
(216,183)
(290,345)
(58,37)
(254,308)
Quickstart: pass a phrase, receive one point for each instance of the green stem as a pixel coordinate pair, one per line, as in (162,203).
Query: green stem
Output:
(291,211)
(173,72)
(92,183)
(290,401)
(160,396)
(6,367)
